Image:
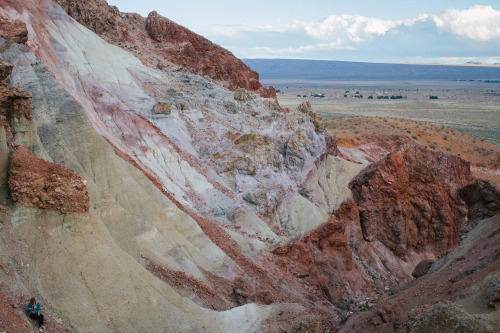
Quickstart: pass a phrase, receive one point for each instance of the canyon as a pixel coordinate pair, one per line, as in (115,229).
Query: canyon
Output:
(150,183)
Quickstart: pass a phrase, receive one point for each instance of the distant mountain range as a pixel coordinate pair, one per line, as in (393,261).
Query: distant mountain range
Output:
(346,70)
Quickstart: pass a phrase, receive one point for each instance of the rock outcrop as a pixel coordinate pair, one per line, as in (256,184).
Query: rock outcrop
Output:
(409,200)
(17,109)
(6,137)
(162,108)
(482,199)
(34,182)
(13,30)
(322,259)
(196,53)
(454,292)
(96,15)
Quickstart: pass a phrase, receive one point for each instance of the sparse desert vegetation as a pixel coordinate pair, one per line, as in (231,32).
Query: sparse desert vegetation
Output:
(472,107)
(483,155)
(464,120)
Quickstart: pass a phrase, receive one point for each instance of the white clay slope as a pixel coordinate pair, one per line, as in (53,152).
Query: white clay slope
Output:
(185,156)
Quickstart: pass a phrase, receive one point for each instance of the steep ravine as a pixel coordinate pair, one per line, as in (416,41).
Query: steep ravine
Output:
(208,209)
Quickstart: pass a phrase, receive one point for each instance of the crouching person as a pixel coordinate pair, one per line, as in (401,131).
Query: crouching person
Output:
(33,311)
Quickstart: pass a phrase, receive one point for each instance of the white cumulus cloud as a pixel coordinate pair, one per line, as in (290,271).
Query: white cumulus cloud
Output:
(355,28)
(480,23)
(427,35)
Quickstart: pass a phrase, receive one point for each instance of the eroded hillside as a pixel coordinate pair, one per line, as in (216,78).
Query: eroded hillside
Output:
(159,42)
(191,206)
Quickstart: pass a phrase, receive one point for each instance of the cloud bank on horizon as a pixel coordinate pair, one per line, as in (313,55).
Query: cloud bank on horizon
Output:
(453,36)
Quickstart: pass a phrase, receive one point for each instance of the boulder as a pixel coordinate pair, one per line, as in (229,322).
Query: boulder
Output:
(162,108)
(482,199)
(422,268)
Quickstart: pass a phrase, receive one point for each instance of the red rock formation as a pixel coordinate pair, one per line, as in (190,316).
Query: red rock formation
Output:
(410,200)
(96,15)
(320,267)
(35,182)
(187,285)
(11,319)
(160,42)
(322,259)
(185,48)
(13,30)
(463,273)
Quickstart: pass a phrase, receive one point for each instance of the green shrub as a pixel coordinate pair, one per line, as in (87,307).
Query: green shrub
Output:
(344,304)
(365,307)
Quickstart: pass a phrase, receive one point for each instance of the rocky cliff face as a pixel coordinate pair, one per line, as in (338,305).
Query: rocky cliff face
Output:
(410,200)
(205,209)
(159,42)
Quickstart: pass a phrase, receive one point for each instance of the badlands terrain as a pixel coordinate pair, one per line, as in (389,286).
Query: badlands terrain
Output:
(150,183)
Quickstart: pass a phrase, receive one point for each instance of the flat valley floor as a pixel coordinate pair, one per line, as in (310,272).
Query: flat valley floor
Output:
(472,107)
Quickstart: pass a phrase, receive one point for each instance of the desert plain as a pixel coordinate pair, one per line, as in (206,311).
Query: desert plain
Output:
(464,120)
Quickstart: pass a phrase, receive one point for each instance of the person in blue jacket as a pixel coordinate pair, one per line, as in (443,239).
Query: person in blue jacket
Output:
(33,311)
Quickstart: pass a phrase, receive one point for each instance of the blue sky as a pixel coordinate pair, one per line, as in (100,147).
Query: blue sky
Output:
(421,31)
